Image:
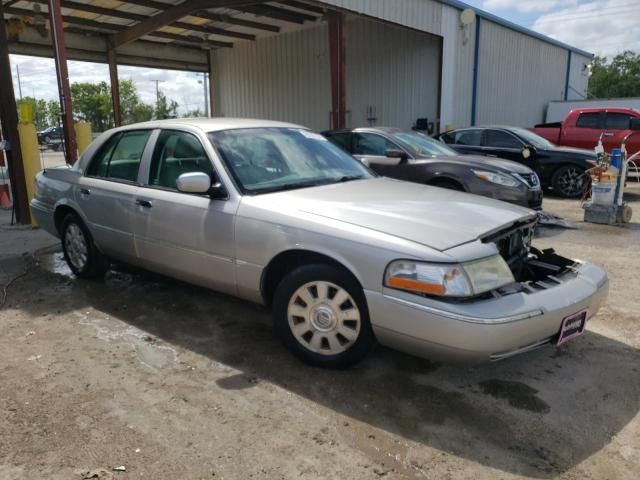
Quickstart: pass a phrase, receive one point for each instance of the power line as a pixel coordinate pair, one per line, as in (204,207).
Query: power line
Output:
(584,15)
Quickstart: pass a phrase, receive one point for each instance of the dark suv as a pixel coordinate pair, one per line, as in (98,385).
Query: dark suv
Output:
(48,134)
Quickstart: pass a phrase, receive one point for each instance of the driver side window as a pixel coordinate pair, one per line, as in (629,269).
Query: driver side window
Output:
(371,144)
(176,153)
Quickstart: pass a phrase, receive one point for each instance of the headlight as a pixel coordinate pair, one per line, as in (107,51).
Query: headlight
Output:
(494,177)
(446,280)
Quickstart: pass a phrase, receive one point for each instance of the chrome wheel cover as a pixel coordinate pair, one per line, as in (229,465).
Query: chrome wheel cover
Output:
(324,318)
(75,244)
(571,182)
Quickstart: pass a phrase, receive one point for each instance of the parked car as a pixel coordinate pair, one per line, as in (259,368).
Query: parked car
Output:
(582,128)
(276,214)
(416,157)
(560,168)
(49,134)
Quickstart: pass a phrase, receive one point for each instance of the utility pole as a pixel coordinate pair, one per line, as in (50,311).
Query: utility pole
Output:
(19,82)
(206,93)
(157,90)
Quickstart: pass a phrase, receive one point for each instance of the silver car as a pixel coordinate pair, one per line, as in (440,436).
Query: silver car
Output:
(275,214)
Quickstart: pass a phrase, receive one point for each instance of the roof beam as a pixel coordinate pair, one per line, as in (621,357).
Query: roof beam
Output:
(228,19)
(112,27)
(302,6)
(214,17)
(277,13)
(170,15)
(112,12)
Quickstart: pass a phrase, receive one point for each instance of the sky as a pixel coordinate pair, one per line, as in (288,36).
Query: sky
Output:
(603,27)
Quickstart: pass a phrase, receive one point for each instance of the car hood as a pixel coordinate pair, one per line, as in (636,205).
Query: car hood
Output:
(573,152)
(484,162)
(435,217)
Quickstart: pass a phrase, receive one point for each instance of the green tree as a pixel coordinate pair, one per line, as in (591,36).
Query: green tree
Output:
(132,110)
(165,108)
(194,113)
(38,109)
(92,103)
(615,79)
(53,113)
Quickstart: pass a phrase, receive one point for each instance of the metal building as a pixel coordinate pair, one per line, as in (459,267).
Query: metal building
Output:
(320,63)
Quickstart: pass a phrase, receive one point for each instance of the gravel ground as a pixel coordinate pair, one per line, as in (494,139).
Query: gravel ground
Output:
(174,382)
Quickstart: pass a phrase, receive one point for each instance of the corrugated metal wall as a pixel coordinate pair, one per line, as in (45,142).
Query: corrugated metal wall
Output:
(287,77)
(284,77)
(424,15)
(578,78)
(457,70)
(518,75)
(392,70)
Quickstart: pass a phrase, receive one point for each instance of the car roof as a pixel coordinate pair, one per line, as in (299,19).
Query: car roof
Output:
(365,129)
(209,124)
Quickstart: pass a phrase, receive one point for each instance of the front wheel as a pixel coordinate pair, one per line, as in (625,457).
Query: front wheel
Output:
(320,314)
(81,254)
(569,181)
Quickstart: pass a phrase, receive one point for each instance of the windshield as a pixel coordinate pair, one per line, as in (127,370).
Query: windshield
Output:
(266,160)
(532,138)
(422,145)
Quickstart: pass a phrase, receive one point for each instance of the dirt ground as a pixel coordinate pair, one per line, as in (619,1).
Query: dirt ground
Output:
(176,382)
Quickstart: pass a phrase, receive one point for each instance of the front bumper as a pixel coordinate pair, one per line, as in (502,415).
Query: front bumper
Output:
(484,330)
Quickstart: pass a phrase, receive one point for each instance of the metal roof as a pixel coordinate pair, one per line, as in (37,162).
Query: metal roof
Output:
(513,26)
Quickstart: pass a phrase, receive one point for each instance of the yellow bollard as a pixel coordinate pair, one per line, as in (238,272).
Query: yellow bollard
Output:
(83,136)
(30,158)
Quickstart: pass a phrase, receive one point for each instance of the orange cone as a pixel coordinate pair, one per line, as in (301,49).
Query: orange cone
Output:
(5,200)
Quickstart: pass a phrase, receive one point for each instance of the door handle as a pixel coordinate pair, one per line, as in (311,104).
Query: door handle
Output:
(143,203)
(85,191)
(607,134)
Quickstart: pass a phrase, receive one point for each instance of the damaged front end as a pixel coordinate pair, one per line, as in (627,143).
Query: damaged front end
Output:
(532,269)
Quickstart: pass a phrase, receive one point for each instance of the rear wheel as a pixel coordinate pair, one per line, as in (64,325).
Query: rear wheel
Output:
(569,181)
(81,254)
(321,315)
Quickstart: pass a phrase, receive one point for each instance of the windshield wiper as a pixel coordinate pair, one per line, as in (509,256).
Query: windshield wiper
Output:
(292,186)
(348,178)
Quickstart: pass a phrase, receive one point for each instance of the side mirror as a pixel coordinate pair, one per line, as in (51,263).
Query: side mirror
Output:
(394,153)
(634,124)
(194,182)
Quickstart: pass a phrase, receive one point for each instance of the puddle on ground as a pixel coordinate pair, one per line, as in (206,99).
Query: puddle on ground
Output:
(147,349)
(519,395)
(55,263)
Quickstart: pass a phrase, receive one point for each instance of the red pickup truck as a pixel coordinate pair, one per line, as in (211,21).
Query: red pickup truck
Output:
(583,126)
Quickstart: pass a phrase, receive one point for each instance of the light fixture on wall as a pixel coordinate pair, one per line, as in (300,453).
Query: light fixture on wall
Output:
(586,69)
(467,17)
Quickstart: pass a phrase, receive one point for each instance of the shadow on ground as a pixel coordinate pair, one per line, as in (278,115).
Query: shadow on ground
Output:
(539,414)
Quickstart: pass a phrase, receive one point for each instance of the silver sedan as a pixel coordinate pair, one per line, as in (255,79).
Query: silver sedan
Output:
(274,213)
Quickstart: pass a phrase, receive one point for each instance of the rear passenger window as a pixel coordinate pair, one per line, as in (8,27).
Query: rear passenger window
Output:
(119,158)
(500,139)
(467,137)
(177,153)
(617,121)
(589,120)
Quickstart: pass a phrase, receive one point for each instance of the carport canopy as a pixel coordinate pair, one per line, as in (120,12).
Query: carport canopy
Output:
(171,34)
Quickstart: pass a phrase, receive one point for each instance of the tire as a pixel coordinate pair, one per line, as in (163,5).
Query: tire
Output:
(81,254)
(569,181)
(324,333)
(46,140)
(448,184)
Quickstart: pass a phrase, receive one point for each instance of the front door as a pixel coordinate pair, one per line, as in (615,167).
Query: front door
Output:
(106,193)
(188,236)
(370,149)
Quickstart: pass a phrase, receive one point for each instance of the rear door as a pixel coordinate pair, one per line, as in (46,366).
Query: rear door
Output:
(585,133)
(106,192)
(188,236)
(468,140)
